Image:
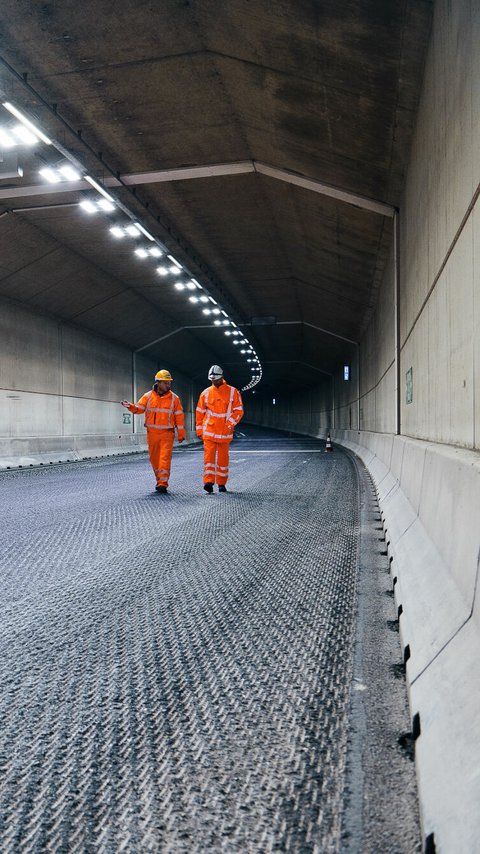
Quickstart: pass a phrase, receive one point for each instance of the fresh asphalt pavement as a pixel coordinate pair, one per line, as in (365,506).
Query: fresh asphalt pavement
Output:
(195,673)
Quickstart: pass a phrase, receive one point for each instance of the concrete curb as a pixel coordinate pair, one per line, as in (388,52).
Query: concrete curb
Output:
(34,452)
(429,497)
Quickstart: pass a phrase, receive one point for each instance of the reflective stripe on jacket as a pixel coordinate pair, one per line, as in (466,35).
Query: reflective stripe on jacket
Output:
(218,411)
(162,411)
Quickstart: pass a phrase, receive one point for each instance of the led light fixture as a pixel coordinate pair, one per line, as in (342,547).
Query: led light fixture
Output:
(26,123)
(144,231)
(89,207)
(155,252)
(69,173)
(162,271)
(141,253)
(105,205)
(98,187)
(50,175)
(6,139)
(94,206)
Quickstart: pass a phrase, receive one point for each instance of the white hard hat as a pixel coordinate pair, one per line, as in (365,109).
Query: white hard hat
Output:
(215,372)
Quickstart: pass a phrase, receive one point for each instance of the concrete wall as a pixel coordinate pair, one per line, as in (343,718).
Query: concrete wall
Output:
(440,304)
(60,389)
(428,478)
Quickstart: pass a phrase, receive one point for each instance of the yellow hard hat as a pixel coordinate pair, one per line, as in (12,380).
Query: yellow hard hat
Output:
(163,375)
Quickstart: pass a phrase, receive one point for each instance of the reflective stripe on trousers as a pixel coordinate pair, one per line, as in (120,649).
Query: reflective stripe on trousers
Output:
(215,456)
(160,447)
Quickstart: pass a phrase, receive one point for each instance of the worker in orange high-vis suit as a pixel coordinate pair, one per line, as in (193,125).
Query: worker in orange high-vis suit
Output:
(219,410)
(163,413)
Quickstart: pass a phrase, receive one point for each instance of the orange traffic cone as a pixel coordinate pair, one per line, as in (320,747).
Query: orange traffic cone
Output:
(328,446)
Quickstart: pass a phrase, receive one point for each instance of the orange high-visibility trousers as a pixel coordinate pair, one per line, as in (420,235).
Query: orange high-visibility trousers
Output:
(215,459)
(160,445)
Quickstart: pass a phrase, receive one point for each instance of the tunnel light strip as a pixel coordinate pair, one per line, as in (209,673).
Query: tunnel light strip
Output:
(98,188)
(26,122)
(108,204)
(144,231)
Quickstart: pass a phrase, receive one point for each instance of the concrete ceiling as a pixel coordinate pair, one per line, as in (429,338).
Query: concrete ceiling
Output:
(260,93)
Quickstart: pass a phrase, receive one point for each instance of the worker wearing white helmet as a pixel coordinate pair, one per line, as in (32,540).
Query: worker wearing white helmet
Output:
(163,414)
(219,410)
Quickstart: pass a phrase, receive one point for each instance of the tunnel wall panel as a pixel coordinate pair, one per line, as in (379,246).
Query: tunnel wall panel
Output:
(60,391)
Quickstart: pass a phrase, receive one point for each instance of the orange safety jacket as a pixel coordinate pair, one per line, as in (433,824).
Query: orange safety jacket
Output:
(162,411)
(218,411)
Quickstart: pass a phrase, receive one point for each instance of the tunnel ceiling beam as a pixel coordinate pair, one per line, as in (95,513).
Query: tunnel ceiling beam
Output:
(209,171)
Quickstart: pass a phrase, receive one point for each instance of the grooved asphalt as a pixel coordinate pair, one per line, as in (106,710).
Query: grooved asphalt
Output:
(175,669)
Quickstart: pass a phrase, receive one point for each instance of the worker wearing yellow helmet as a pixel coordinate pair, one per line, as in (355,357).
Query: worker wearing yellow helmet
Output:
(163,415)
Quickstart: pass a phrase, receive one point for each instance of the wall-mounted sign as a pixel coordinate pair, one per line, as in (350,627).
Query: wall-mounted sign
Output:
(409,385)
(346,372)
(127,417)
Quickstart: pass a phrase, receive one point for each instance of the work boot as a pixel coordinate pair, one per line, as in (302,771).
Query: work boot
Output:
(222,488)
(162,489)
(208,487)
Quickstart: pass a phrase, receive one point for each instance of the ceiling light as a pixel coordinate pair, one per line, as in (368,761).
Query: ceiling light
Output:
(132,230)
(89,207)
(191,286)
(224,313)
(26,122)
(206,311)
(243,351)
(141,253)
(227,332)
(50,175)
(217,322)
(24,135)
(215,311)
(69,172)
(203,299)
(174,261)
(6,141)
(212,300)
(175,270)
(105,205)
(179,286)
(193,299)
(117,231)
(98,188)
(226,322)
(236,342)
(162,271)
(155,251)
(144,231)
